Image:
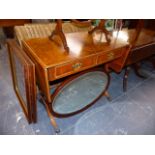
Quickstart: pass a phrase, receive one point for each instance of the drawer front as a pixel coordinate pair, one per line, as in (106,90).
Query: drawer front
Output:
(71,67)
(110,55)
(74,66)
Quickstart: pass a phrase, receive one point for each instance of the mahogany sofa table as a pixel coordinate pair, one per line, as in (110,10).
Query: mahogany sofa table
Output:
(52,62)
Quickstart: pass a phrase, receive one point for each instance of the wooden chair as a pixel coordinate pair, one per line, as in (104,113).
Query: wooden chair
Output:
(142,46)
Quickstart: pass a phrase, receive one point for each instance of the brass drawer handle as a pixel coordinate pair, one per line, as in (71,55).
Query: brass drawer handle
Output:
(77,65)
(110,55)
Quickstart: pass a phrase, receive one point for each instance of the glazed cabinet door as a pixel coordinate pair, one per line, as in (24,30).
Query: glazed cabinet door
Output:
(23,76)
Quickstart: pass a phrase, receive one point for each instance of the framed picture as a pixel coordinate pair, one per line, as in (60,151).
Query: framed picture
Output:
(23,76)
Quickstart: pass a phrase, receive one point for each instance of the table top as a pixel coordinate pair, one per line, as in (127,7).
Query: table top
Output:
(50,53)
(146,36)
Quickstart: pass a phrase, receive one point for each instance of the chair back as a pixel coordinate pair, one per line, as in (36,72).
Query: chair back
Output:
(29,31)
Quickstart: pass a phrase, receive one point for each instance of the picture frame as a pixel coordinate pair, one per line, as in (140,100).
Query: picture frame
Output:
(23,78)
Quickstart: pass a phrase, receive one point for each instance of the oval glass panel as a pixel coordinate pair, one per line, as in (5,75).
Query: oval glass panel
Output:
(80,92)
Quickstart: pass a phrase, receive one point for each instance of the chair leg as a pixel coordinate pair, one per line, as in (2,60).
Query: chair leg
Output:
(125,78)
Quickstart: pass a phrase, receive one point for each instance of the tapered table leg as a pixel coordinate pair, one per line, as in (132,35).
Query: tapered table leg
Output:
(52,119)
(107,96)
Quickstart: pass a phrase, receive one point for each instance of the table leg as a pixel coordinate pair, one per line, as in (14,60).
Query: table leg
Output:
(52,119)
(107,95)
(125,78)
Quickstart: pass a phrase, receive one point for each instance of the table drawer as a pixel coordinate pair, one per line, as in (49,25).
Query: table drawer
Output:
(109,55)
(74,66)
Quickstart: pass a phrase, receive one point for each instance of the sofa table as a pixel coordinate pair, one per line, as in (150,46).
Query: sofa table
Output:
(53,63)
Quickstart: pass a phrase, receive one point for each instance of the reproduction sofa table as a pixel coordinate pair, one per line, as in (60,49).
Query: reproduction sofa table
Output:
(52,63)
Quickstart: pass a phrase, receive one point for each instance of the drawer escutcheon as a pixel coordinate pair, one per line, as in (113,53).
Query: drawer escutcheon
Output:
(76,66)
(110,55)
